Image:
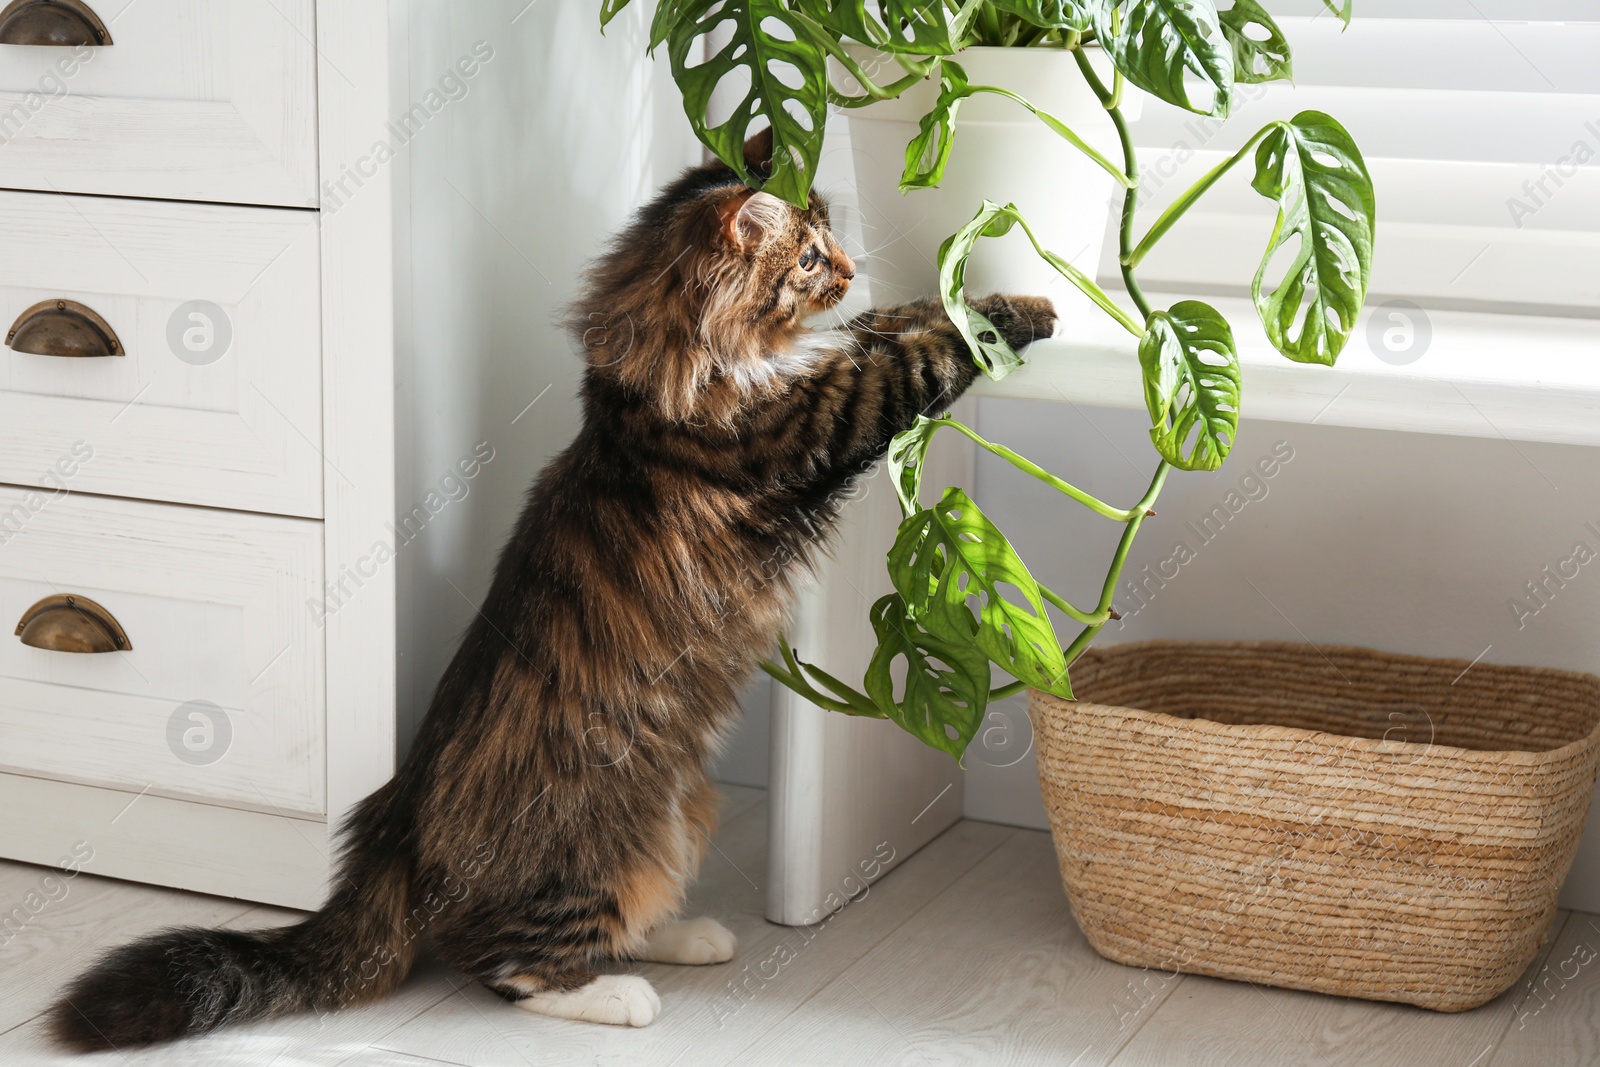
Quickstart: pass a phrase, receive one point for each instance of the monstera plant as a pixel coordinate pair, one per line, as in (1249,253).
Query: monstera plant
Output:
(964,602)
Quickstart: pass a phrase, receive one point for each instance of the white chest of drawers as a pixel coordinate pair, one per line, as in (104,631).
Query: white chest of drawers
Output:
(197,433)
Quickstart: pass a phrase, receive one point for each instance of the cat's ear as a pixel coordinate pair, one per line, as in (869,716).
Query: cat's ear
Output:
(747,217)
(758,152)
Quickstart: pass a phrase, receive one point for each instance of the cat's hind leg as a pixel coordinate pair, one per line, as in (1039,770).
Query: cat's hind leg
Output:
(541,950)
(546,981)
(690,941)
(612,999)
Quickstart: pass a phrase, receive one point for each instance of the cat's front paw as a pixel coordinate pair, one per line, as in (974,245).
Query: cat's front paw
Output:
(1021,320)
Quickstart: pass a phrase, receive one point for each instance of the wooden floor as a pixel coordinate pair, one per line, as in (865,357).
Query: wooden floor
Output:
(965,955)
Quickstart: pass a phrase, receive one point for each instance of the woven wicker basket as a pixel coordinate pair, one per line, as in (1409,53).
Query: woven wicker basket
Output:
(1342,820)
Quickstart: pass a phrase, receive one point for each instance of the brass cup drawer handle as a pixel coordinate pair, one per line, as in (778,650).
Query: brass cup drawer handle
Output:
(72,623)
(52,23)
(63,328)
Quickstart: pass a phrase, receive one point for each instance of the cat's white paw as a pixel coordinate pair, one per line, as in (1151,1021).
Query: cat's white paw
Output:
(691,941)
(613,999)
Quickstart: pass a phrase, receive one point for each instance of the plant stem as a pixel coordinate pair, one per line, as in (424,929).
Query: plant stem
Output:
(1009,689)
(1059,128)
(1030,36)
(793,674)
(1027,466)
(1130,202)
(1175,210)
(1096,86)
(1084,283)
(800,686)
(1076,614)
(1108,592)
(988,22)
(1130,168)
(873,92)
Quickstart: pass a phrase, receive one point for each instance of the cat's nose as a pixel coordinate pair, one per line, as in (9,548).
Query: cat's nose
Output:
(846,267)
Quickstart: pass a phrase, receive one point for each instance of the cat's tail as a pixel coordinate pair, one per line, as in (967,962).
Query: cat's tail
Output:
(191,980)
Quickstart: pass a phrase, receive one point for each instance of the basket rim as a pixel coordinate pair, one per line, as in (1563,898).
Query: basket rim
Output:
(1274,731)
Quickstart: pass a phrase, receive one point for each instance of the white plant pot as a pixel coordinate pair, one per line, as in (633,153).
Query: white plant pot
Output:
(1002,153)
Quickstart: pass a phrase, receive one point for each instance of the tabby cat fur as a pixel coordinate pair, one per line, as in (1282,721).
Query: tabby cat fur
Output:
(555,804)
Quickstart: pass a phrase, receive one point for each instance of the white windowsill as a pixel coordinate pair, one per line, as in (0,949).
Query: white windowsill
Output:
(1519,377)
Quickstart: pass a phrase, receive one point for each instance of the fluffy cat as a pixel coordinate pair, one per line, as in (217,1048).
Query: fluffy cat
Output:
(555,804)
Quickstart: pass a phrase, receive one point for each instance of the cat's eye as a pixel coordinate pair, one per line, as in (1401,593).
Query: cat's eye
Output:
(808,258)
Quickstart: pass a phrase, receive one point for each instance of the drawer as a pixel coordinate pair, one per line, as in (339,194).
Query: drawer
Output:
(219,697)
(214,394)
(192,100)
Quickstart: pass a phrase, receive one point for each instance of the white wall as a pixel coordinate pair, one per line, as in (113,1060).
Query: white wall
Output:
(581,129)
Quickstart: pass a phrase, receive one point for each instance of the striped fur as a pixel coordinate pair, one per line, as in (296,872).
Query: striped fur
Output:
(555,806)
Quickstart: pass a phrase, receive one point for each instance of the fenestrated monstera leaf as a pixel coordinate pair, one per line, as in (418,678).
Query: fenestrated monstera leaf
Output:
(1256,59)
(988,345)
(914,27)
(950,553)
(1155,43)
(788,73)
(947,682)
(908,452)
(1326,211)
(929,151)
(1191,385)
(1051,14)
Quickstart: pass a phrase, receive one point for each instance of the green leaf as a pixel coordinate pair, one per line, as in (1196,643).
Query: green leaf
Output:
(1051,14)
(754,42)
(1341,8)
(988,344)
(929,150)
(1191,385)
(1256,59)
(799,675)
(609,9)
(669,13)
(950,553)
(1326,210)
(1156,43)
(912,27)
(947,682)
(908,452)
